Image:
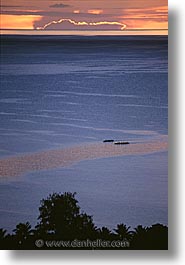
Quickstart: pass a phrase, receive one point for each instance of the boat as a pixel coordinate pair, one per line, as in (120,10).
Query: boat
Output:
(108,141)
(121,142)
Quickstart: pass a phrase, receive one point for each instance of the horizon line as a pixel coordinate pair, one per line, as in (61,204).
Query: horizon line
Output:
(136,29)
(128,32)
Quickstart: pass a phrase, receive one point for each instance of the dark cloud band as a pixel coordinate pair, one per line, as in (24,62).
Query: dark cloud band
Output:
(61,5)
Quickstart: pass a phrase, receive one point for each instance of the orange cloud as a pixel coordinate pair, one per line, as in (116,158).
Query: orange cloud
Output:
(161,9)
(95,11)
(18,21)
(82,23)
(148,24)
(147,18)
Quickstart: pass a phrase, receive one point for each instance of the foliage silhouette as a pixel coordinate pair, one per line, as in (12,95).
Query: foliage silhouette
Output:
(2,234)
(61,219)
(139,237)
(60,216)
(22,232)
(123,232)
(105,233)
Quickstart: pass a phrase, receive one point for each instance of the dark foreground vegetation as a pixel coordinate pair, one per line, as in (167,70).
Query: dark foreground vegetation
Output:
(62,225)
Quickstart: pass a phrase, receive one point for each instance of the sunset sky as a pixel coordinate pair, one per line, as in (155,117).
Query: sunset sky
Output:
(85,14)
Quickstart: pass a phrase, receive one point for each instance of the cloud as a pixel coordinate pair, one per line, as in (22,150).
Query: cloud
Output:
(95,11)
(119,25)
(18,22)
(6,6)
(60,5)
(90,11)
(146,24)
(56,14)
(33,12)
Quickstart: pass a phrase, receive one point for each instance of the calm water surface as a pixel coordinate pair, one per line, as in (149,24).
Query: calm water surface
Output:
(58,92)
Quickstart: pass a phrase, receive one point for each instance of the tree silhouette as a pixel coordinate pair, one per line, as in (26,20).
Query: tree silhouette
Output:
(57,213)
(83,227)
(139,237)
(3,238)
(157,237)
(22,232)
(60,216)
(105,233)
(123,232)
(154,237)
(2,234)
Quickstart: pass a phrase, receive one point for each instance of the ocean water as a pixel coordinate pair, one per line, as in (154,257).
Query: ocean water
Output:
(63,91)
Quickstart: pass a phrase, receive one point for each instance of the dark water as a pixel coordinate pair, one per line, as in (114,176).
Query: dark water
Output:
(63,91)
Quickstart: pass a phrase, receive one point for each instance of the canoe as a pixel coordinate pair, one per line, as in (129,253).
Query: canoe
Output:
(121,142)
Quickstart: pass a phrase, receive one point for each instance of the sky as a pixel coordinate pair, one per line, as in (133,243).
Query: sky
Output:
(99,15)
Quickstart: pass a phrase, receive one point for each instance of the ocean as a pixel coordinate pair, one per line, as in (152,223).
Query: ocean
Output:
(62,92)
